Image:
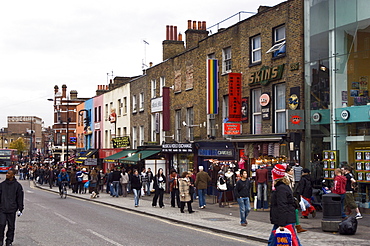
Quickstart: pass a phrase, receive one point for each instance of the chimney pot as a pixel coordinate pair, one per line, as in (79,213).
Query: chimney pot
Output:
(199,25)
(171,33)
(150,64)
(194,25)
(167,32)
(189,24)
(180,37)
(175,33)
(204,25)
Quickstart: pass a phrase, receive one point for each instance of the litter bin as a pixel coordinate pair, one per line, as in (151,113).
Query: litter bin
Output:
(332,212)
(331,207)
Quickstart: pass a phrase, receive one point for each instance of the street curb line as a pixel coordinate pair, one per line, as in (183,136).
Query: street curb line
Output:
(253,238)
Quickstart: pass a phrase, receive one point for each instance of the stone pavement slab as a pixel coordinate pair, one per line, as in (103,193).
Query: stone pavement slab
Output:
(215,219)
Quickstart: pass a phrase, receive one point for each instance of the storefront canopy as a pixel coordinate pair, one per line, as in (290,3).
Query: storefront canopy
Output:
(86,155)
(141,155)
(118,156)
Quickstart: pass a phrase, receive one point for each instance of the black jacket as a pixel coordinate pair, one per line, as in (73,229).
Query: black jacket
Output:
(282,205)
(156,181)
(11,196)
(136,182)
(242,188)
(305,186)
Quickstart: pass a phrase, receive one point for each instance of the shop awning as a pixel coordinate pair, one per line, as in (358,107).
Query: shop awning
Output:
(141,155)
(87,154)
(118,156)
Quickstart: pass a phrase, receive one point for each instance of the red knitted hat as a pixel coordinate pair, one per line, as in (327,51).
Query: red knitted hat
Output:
(278,171)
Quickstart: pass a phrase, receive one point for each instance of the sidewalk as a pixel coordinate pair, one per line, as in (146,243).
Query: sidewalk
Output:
(226,220)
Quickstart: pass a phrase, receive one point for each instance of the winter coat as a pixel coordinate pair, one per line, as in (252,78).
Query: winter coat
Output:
(156,181)
(339,185)
(136,182)
(11,196)
(174,181)
(305,186)
(184,190)
(202,179)
(282,204)
(124,178)
(242,188)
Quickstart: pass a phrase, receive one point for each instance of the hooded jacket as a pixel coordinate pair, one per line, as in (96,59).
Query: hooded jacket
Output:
(11,196)
(282,204)
(305,186)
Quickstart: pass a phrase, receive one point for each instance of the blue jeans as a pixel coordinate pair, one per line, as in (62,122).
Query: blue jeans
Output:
(202,197)
(244,207)
(136,196)
(271,241)
(148,188)
(262,196)
(342,196)
(115,188)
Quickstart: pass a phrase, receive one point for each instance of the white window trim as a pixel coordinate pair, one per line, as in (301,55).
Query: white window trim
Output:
(253,50)
(277,111)
(278,41)
(259,113)
(141,102)
(224,60)
(153,88)
(134,104)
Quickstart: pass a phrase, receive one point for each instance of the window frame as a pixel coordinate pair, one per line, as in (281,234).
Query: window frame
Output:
(226,61)
(277,43)
(255,50)
(256,94)
(277,110)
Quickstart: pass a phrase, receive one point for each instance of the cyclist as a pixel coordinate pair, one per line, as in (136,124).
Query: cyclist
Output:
(62,177)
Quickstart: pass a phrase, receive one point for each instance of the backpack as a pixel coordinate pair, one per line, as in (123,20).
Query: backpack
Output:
(348,226)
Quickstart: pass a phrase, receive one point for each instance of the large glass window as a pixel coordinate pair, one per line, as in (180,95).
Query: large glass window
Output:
(153,88)
(280,110)
(256,112)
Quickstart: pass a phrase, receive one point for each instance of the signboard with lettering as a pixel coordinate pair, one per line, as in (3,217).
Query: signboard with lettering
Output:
(216,152)
(265,106)
(232,128)
(177,148)
(235,96)
(266,75)
(156,105)
(121,142)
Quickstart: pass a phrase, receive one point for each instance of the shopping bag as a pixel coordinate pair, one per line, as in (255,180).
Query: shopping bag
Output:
(283,237)
(86,185)
(293,235)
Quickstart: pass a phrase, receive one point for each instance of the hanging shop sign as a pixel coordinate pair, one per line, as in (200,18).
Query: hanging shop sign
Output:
(293,102)
(265,108)
(296,119)
(316,117)
(266,75)
(344,114)
(121,142)
(233,128)
(235,96)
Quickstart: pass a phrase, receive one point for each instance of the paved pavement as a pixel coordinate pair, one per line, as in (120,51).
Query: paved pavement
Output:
(226,220)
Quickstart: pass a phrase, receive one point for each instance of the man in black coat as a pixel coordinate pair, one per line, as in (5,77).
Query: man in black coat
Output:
(305,190)
(11,200)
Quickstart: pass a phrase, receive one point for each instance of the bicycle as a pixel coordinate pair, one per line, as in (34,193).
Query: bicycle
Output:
(63,191)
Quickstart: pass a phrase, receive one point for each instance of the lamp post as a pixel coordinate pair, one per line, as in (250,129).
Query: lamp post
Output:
(2,138)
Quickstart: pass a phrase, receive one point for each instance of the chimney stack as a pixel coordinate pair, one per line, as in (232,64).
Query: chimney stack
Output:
(194,34)
(64,91)
(173,45)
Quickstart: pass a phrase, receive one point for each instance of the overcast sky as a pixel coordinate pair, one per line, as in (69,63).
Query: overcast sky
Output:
(48,43)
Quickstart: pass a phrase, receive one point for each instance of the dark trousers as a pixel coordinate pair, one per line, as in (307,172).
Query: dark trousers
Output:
(7,219)
(175,195)
(80,187)
(182,206)
(158,193)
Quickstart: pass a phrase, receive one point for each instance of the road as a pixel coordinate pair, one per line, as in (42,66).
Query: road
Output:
(49,220)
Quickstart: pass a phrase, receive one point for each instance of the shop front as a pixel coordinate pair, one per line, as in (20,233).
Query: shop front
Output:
(337,88)
(179,156)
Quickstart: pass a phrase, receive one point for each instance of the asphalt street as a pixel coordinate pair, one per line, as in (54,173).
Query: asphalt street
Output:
(49,220)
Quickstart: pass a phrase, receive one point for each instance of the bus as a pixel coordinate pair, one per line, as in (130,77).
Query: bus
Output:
(8,159)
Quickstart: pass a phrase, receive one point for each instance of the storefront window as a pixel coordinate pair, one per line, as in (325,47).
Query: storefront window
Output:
(185,163)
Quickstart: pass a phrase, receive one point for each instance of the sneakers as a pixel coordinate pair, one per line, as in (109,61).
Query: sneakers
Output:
(243,224)
(358,216)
